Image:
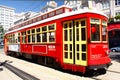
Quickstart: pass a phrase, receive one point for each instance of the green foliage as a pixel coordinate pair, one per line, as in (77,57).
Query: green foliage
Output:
(2,32)
(117,17)
(111,20)
(114,19)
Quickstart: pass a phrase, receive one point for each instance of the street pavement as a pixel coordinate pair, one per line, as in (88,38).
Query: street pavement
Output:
(5,74)
(113,72)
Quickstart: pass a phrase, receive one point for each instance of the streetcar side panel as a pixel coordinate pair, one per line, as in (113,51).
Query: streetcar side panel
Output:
(50,48)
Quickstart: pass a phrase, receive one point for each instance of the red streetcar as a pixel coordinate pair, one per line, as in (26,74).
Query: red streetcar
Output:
(73,40)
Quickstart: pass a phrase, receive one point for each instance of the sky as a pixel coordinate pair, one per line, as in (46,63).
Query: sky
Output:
(27,5)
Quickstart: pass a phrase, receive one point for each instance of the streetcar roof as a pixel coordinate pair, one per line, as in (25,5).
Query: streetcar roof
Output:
(80,11)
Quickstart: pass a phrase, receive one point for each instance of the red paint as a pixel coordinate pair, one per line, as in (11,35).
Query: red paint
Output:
(40,49)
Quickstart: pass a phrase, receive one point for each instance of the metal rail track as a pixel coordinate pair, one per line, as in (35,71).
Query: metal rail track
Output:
(18,72)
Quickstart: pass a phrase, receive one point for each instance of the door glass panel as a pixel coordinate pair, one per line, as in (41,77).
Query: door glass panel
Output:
(65,25)
(77,24)
(70,34)
(65,35)
(66,54)
(66,47)
(77,34)
(70,55)
(82,23)
(70,47)
(78,47)
(83,56)
(78,57)
(83,37)
(83,47)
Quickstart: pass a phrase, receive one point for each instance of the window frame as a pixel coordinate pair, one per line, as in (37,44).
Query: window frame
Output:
(28,34)
(33,33)
(49,31)
(104,24)
(19,35)
(95,23)
(41,32)
(23,36)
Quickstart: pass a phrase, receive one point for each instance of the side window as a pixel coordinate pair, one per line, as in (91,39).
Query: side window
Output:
(51,33)
(9,39)
(33,35)
(38,34)
(51,36)
(23,37)
(18,37)
(44,34)
(28,36)
(13,38)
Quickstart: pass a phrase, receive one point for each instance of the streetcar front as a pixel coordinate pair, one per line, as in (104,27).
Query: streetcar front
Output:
(98,44)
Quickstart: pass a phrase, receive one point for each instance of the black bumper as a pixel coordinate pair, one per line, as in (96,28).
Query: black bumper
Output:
(99,66)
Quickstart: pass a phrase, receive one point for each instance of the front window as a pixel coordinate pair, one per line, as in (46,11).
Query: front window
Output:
(104,30)
(104,33)
(95,32)
(98,30)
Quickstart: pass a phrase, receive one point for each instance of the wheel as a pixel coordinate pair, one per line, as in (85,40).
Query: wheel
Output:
(113,50)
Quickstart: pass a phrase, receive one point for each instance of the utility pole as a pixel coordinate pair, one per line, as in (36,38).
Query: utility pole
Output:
(112,8)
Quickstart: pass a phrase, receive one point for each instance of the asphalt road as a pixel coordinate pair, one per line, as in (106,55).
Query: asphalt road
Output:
(115,56)
(113,72)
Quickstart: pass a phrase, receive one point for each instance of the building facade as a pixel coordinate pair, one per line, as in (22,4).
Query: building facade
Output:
(110,7)
(6,16)
(20,17)
(49,6)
